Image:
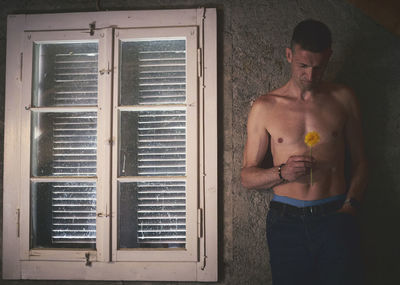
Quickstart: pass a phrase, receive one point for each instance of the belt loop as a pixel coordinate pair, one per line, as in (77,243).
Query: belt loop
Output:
(282,210)
(307,211)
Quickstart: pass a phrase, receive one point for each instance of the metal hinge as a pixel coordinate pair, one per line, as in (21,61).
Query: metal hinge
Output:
(21,59)
(18,221)
(199,63)
(204,263)
(200,223)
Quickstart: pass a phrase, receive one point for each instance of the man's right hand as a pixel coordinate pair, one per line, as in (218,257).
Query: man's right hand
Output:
(297,166)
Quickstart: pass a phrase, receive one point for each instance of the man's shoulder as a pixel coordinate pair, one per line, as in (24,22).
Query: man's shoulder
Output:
(345,95)
(269,99)
(264,100)
(340,90)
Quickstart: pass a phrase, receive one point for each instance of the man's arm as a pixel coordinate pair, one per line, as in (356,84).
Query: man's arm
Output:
(355,143)
(254,177)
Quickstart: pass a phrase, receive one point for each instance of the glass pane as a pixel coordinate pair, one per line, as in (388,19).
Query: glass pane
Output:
(152,143)
(63,215)
(152,214)
(64,144)
(65,74)
(152,72)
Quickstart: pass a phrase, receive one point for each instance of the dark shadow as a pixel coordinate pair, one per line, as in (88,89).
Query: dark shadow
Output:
(372,70)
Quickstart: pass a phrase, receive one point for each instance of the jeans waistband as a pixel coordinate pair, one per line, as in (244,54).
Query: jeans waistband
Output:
(303,203)
(316,210)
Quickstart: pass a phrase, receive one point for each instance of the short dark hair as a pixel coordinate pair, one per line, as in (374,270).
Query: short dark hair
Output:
(312,36)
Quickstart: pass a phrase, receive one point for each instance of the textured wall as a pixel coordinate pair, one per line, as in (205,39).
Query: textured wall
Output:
(385,12)
(251,41)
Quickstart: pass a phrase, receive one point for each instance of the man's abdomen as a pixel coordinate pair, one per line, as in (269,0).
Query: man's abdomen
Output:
(326,183)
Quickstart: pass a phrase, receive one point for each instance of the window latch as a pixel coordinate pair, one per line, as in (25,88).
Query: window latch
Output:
(92,27)
(103,215)
(105,70)
(87,257)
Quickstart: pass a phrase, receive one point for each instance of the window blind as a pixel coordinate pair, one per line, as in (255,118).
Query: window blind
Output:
(64,144)
(162,144)
(75,77)
(74,145)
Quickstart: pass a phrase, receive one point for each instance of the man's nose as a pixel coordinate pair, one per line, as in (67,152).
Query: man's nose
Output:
(309,73)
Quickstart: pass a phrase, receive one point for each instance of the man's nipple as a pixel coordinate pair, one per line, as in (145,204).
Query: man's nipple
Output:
(280,140)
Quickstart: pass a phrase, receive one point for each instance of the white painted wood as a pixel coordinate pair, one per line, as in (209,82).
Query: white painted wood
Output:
(202,206)
(18,260)
(151,271)
(115,123)
(63,255)
(49,37)
(150,178)
(153,107)
(117,19)
(192,143)
(210,239)
(190,35)
(62,179)
(25,121)
(64,109)
(153,255)
(103,205)
(12,138)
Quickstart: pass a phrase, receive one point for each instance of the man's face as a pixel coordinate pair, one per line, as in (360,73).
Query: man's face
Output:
(307,67)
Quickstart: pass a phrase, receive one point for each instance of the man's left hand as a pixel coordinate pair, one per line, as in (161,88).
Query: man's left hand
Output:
(348,209)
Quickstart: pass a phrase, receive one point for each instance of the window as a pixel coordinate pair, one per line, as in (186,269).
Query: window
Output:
(110,146)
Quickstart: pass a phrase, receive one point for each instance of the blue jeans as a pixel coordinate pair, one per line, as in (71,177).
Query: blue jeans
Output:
(314,249)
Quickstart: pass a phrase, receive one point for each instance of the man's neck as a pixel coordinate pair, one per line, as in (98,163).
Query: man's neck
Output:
(300,93)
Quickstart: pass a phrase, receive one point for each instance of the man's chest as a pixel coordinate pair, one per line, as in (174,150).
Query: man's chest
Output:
(289,124)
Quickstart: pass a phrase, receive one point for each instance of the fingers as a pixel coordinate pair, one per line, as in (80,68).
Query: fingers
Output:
(300,161)
(297,166)
(302,171)
(301,158)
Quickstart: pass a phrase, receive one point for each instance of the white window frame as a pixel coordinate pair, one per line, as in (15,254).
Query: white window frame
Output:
(190,34)
(199,261)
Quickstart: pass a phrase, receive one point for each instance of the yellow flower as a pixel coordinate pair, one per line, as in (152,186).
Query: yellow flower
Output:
(311,138)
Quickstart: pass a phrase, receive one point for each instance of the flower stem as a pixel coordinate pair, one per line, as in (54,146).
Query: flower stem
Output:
(311,166)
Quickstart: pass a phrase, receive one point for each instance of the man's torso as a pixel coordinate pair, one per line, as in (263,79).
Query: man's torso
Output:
(288,120)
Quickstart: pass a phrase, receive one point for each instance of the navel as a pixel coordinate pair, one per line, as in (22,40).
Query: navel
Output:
(280,140)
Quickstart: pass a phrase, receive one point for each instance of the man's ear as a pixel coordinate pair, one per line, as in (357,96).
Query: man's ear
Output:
(289,55)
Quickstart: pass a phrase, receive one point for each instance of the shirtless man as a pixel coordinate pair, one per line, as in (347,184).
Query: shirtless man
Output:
(311,231)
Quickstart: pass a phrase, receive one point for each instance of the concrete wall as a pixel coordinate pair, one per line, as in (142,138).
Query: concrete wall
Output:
(384,12)
(252,38)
